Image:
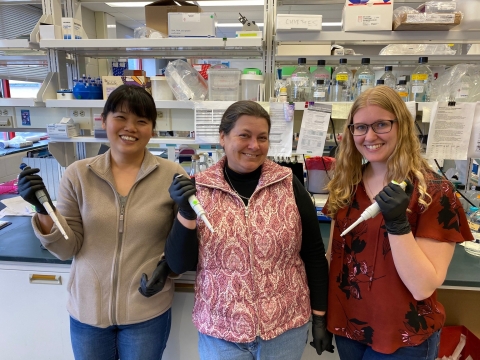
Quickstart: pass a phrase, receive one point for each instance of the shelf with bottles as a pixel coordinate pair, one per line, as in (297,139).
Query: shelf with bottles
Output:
(397,60)
(167,47)
(157,140)
(160,104)
(380,37)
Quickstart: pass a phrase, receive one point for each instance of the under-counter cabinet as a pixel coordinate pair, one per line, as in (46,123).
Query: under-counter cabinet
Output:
(34,322)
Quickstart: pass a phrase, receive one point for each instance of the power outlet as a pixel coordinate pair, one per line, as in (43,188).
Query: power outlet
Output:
(82,116)
(7,114)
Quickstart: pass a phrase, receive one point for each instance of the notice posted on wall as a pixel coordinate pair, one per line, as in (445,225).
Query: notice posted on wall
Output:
(474,146)
(450,131)
(313,131)
(281,132)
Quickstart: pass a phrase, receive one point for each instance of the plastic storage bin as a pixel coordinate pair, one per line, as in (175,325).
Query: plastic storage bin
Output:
(160,88)
(224,84)
(251,87)
(319,173)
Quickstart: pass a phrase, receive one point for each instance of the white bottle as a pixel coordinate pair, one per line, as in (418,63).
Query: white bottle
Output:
(300,82)
(389,77)
(341,83)
(421,81)
(364,77)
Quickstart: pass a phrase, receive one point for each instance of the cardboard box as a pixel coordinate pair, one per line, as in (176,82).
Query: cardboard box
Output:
(301,22)
(426,22)
(372,15)
(66,128)
(50,32)
(71,29)
(192,25)
(110,83)
(156,14)
(306,49)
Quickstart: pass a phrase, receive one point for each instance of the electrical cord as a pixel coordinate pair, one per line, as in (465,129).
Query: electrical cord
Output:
(334,133)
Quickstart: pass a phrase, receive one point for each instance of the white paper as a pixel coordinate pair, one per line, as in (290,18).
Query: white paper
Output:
(450,131)
(16,206)
(281,133)
(313,132)
(474,145)
(412,107)
(208,115)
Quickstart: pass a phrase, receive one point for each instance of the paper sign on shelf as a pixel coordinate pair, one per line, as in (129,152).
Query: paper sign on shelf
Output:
(281,132)
(313,131)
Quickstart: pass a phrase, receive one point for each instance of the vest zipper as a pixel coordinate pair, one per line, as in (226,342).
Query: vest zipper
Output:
(115,265)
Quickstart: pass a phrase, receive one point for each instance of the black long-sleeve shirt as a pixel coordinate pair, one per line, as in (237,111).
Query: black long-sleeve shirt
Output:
(181,249)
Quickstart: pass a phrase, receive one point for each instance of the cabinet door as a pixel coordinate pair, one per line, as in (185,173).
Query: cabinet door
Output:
(34,322)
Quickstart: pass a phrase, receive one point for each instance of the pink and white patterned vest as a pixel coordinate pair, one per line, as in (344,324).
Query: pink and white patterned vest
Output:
(250,280)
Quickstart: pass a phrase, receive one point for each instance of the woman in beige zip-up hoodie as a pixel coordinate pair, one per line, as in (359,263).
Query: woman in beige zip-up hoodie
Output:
(117,213)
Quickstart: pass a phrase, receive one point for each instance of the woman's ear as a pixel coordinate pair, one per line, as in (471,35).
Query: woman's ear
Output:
(103,121)
(222,139)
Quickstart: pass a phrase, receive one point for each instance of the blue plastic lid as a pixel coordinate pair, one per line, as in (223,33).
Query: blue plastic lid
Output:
(473,208)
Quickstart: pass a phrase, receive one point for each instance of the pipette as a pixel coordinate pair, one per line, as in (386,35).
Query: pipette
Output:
(42,197)
(197,207)
(370,212)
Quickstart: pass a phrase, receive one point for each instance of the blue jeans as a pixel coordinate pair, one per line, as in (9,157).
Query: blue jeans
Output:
(146,340)
(286,346)
(349,349)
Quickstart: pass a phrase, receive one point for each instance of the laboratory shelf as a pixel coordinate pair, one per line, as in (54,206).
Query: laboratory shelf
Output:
(158,140)
(398,60)
(163,48)
(380,37)
(160,104)
(17,44)
(30,102)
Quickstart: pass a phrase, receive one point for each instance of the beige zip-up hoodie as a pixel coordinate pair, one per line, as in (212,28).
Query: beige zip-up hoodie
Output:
(110,254)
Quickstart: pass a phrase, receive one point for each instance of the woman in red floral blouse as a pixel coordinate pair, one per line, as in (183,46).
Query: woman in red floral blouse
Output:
(384,273)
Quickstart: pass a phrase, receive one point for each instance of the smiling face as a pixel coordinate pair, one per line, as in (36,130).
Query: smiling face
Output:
(376,148)
(127,133)
(246,145)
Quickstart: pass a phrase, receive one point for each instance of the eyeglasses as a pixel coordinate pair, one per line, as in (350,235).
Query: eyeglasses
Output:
(379,127)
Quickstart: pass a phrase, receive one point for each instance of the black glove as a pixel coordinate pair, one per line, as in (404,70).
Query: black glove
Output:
(393,203)
(157,281)
(322,338)
(28,184)
(180,190)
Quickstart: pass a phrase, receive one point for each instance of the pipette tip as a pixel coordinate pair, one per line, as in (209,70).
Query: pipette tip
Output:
(205,220)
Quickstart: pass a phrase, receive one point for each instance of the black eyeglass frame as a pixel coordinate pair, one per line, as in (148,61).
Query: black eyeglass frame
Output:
(352,128)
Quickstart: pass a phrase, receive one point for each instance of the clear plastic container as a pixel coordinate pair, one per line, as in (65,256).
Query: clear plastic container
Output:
(300,82)
(473,247)
(402,90)
(251,86)
(341,89)
(320,73)
(389,78)
(160,88)
(364,77)
(421,81)
(319,91)
(224,84)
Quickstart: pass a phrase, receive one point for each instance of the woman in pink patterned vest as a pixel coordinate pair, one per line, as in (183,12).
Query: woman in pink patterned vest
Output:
(263,272)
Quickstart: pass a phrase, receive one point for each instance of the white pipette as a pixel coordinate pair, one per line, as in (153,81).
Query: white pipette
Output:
(370,212)
(42,197)
(197,207)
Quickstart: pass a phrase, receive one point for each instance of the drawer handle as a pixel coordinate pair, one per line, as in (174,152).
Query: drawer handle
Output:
(45,279)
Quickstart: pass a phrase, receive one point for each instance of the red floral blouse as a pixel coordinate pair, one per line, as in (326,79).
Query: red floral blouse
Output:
(367,300)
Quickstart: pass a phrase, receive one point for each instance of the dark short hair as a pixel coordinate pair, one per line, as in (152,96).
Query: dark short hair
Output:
(238,109)
(132,99)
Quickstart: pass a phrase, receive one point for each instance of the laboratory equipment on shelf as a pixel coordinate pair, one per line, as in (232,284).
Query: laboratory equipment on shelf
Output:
(320,91)
(42,197)
(300,82)
(421,81)
(364,77)
(473,247)
(341,83)
(389,77)
(320,73)
(402,90)
(370,212)
(197,207)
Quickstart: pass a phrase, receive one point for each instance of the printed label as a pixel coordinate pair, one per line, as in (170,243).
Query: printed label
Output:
(473,226)
(417,89)
(318,94)
(25,117)
(463,92)
(403,94)
(369,20)
(191,17)
(440,18)
(341,77)
(419,77)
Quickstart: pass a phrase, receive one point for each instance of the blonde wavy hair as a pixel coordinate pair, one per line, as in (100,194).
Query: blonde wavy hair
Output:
(404,163)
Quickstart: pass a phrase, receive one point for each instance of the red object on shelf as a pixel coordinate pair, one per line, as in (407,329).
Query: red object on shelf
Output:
(450,337)
(202,69)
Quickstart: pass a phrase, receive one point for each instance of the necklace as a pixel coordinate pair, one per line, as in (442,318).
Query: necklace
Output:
(230,183)
(372,197)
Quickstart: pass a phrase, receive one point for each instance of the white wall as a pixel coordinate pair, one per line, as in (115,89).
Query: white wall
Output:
(124,32)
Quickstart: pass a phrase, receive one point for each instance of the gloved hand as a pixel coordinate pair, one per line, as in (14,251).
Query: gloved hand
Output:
(393,203)
(28,184)
(180,190)
(322,338)
(157,281)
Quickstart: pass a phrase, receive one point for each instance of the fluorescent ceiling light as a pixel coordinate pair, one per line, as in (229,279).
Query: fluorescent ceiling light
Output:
(331,24)
(230,3)
(235,24)
(129,4)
